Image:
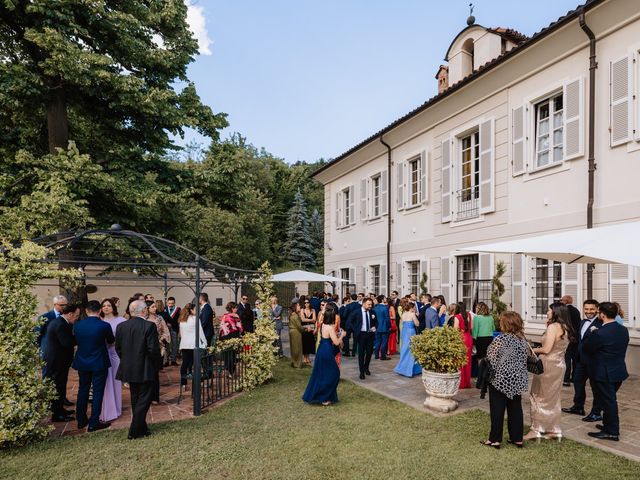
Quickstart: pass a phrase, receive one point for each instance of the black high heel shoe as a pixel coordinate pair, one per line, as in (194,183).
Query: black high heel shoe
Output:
(489,443)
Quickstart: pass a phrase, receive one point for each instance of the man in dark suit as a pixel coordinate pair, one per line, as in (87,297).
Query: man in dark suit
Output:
(381,311)
(206,317)
(581,373)
(92,363)
(315,302)
(350,308)
(171,316)
(59,302)
(58,356)
(246,314)
(364,323)
(571,355)
(139,351)
(425,303)
(607,347)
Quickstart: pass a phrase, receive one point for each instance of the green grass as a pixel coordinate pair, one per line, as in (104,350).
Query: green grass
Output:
(271,433)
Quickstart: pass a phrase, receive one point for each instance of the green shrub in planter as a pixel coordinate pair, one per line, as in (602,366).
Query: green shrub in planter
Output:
(439,350)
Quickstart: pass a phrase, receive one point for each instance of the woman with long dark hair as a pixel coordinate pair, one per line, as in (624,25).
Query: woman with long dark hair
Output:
(462,321)
(325,376)
(546,387)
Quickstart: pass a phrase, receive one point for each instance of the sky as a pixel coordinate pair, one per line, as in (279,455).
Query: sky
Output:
(309,79)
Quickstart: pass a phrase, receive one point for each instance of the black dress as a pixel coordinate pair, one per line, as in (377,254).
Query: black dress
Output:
(308,338)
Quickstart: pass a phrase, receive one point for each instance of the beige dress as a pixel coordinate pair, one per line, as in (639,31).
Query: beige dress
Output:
(545,390)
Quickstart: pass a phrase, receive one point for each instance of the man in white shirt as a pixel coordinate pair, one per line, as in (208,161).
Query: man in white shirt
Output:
(581,373)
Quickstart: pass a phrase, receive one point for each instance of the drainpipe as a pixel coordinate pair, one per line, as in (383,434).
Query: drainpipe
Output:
(388,214)
(593,64)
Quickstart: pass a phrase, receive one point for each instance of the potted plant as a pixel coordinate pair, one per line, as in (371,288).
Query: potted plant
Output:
(441,353)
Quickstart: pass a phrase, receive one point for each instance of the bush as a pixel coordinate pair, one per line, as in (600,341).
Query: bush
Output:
(440,350)
(257,349)
(24,397)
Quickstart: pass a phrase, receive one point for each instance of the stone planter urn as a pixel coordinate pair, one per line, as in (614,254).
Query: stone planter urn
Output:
(441,388)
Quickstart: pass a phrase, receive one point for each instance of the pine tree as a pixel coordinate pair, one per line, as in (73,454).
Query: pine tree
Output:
(299,245)
(317,234)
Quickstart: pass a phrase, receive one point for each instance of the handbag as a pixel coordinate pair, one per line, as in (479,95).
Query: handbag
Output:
(534,364)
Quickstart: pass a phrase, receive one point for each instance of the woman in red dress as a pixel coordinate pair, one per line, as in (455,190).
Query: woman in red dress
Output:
(462,321)
(393,336)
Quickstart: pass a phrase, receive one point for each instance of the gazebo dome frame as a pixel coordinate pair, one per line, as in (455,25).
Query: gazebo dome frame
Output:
(117,249)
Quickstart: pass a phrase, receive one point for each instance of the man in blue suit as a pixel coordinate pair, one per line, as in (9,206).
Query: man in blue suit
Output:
(92,363)
(431,314)
(381,311)
(607,347)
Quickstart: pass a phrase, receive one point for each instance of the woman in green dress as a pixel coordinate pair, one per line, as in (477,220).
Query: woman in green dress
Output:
(295,335)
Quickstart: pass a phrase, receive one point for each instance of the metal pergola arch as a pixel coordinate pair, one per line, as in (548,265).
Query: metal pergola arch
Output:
(116,249)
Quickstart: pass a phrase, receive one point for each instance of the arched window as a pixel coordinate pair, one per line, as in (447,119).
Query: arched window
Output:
(468,47)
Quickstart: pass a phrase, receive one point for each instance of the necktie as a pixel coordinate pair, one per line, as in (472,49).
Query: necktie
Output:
(368,321)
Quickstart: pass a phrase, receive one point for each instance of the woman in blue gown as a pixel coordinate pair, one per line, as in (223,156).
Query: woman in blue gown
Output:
(407,365)
(323,383)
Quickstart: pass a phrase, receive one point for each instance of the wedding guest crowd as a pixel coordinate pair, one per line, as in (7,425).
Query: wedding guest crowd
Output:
(108,350)
(595,351)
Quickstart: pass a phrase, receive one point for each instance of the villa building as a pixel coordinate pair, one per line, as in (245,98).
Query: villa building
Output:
(501,152)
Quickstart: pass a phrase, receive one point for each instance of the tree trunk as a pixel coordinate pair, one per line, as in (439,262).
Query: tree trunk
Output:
(57,121)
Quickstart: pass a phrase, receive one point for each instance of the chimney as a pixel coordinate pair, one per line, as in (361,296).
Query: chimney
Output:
(443,78)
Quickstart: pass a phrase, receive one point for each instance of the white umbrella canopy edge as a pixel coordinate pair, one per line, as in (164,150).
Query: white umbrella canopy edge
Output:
(617,243)
(304,276)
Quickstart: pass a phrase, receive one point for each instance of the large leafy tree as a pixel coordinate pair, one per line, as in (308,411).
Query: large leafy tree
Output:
(109,76)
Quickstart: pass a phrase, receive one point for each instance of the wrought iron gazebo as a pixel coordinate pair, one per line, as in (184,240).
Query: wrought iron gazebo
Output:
(152,259)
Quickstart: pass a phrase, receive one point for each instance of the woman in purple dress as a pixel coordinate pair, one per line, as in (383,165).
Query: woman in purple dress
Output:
(112,400)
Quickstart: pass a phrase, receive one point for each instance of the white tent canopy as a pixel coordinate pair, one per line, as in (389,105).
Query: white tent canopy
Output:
(619,243)
(303,276)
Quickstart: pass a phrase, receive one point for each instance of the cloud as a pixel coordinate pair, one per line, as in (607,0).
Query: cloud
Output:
(198,26)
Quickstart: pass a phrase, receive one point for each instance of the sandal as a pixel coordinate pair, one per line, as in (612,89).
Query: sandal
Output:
(489,443)
(326,404)
(517,444)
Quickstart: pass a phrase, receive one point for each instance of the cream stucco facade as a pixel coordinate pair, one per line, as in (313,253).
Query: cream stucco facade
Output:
(500,155)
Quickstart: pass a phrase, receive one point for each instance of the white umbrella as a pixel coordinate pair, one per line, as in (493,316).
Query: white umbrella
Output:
(617,243)
(303,276)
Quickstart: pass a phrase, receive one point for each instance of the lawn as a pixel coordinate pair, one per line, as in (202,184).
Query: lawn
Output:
(271,433)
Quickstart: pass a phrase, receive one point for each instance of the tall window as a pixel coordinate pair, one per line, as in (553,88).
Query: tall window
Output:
(549,125)
(468,274)
(413,268)
(374,279)
(414,182)
(469,177)
(470,166)
(346,203)
(375,196)
(344,274)
(548,284)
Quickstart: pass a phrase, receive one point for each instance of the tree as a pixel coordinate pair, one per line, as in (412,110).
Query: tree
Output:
(316,227)
(299,244)
(497,290)
(24,397)
(111,77)
(101,73)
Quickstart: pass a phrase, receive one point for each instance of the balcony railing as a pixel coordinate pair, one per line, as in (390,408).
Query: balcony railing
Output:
(468,203)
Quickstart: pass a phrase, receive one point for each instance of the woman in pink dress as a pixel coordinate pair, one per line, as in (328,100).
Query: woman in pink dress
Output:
(462,321)
(112,400)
